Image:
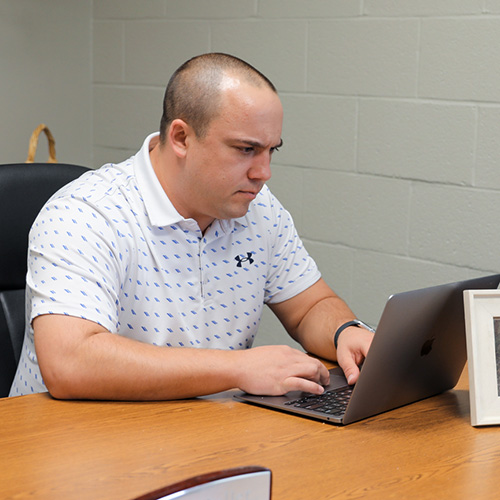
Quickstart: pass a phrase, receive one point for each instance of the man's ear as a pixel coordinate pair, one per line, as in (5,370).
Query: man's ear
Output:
(178,133)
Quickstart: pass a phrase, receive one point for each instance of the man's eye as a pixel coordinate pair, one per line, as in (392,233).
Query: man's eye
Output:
(246,150)
(277,148)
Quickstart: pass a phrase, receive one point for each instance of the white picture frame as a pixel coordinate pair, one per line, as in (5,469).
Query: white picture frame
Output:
(482,327)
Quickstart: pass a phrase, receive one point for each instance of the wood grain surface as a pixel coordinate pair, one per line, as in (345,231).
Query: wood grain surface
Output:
(119,450)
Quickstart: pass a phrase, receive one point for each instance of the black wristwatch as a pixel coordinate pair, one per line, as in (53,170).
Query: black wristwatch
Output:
(354,322)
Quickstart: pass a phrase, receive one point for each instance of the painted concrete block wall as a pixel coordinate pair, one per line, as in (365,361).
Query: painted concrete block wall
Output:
(390,163)
(45,77)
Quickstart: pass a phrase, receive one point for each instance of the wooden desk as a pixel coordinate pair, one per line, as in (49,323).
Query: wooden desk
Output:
(88,450)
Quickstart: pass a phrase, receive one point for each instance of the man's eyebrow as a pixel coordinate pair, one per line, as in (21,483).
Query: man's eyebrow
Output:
(258,145)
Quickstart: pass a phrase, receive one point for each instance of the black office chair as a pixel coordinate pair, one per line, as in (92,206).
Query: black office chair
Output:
(252,483)
(24,189)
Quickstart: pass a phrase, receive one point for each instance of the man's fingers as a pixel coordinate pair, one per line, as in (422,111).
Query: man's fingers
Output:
(302,384)
(316,372)
(312,380)
(351,372)
(276,370)
(352,351)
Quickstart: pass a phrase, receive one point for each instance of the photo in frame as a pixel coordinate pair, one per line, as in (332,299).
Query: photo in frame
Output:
(482,326)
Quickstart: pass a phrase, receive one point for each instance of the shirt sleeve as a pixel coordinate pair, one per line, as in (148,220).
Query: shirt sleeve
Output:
(74,263)
(292,270)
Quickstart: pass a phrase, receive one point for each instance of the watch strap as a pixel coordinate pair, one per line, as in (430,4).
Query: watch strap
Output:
(354,322)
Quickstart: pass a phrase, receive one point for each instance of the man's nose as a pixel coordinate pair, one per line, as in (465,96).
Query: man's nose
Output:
(261,168)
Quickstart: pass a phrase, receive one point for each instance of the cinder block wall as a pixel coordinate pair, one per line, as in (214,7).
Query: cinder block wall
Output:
(390,164)
(45,77)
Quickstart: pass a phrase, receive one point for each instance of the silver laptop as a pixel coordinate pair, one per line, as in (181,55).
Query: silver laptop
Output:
(418,351)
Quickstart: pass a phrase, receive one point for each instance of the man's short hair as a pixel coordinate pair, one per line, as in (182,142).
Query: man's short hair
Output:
(193,92)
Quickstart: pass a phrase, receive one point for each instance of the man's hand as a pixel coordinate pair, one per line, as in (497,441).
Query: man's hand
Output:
(353,345)
(276,370)
(312,318)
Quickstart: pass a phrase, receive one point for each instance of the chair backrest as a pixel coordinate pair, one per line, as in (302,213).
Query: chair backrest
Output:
(251,483)
(24,189)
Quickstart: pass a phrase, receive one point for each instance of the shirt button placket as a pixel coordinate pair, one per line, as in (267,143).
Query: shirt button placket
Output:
(200,268)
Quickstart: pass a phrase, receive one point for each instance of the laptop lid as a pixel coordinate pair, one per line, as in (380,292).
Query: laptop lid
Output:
(419,350)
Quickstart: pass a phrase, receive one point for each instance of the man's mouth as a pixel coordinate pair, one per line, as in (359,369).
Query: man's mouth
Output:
(249,194)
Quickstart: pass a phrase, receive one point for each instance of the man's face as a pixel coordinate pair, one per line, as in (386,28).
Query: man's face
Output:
(226,168)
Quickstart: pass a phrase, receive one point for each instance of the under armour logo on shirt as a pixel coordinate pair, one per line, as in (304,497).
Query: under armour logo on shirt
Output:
(240,259)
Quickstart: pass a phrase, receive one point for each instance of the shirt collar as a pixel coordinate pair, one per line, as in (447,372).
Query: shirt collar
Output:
(159,208)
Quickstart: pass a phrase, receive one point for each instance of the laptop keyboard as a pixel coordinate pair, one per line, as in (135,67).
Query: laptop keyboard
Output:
(332,402)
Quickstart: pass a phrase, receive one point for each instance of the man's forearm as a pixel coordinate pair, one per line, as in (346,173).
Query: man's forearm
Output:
(313,317)
(117,368)
(102,365)
(317,329)
(78,360)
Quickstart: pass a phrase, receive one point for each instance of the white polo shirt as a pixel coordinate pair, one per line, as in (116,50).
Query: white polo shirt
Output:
(111,248)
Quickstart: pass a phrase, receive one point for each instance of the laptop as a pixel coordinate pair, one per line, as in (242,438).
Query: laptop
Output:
(418,350)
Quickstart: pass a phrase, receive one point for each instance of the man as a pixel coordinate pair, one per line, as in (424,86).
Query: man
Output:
(147,279)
